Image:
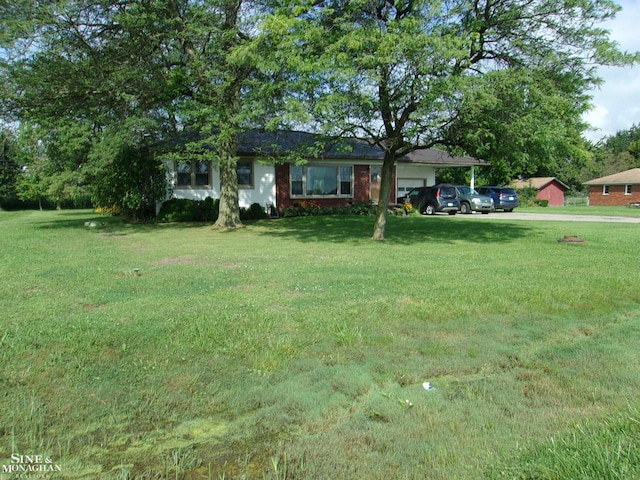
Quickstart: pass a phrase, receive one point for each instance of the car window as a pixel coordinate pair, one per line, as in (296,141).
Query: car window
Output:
(447,192)
(464,190)
(413,194)
(509,191)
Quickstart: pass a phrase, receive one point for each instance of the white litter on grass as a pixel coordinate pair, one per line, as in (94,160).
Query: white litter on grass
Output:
(94,224)
(427,386)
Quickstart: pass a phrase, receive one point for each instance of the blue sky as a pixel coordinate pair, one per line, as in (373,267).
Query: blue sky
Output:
(617,101)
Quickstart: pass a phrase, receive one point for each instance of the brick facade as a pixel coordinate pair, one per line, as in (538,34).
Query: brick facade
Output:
(360,183)
(361,193)
(616,196)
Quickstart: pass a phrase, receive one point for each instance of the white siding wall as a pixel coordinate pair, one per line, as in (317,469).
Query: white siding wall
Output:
(264,186)
(263,191)
(422,172)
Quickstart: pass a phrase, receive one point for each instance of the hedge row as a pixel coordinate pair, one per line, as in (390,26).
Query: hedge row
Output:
(307,209)
(186,210)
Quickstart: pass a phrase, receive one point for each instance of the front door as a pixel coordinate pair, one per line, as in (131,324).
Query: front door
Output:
(375,174)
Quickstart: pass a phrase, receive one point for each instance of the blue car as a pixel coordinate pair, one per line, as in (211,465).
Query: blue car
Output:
(504,198)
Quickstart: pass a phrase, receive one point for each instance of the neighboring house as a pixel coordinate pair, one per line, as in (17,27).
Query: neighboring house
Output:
(549,188)
(618,189)
(285,169)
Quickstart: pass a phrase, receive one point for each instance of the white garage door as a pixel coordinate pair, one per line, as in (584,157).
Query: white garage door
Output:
(406,184)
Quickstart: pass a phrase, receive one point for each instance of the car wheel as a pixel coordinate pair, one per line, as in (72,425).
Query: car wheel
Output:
(508,209)
(465,208)
(484,212)
(452,212)
(430,210)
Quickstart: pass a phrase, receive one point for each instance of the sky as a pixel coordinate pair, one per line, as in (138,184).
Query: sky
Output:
(617,101)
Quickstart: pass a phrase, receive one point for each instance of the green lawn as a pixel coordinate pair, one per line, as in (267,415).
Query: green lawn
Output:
(297,348)
(585,210)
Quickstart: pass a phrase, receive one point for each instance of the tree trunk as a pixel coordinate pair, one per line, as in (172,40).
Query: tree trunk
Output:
(229,215)
(227,144)
(385,191)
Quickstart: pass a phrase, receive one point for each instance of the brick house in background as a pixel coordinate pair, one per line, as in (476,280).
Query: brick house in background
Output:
(619,189)
(549,188)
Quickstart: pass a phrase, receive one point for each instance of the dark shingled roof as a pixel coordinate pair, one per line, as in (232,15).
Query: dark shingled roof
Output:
(307,145)
(274,143)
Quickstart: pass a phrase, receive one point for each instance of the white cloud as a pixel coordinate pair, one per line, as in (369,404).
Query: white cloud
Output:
(617,101)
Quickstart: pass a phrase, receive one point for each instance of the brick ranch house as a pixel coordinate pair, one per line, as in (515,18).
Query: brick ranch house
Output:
(284,169)
(619,189)
(549,188)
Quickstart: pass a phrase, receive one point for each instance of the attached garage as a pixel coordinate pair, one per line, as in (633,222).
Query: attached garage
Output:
(406,184)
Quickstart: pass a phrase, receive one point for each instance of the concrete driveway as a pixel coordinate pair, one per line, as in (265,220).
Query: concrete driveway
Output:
(558,217)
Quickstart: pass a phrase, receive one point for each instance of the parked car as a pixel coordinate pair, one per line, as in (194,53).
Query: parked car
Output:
(429,200)
(504,198)
(472,201)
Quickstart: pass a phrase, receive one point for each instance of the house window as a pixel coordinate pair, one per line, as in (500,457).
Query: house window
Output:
(193,173)
(605,189)
(196,173)
(245,173)
(627,189)
(321,181)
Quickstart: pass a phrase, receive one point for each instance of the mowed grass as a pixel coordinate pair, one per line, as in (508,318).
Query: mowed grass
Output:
(297,348)
(584,210)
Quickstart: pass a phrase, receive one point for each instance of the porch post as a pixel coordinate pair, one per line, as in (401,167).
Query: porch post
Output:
(473,177)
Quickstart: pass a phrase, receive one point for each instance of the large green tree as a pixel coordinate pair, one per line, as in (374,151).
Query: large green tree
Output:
(9,164)
(399,73)
(139,69)
(53,160)
(616,153)
(525,122)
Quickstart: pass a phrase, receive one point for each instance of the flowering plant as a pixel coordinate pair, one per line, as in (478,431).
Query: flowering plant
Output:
(112,210)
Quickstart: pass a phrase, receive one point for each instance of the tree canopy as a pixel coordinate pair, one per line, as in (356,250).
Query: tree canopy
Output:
(9,164)
(616,153)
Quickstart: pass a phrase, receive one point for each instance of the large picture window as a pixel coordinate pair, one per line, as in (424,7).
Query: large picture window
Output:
(321,181)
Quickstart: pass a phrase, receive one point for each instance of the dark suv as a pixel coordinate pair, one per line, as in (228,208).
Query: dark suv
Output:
(504,198)
(429,200)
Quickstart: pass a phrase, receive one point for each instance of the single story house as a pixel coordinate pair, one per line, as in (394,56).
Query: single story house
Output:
(549,188)
(283,169)
(620,189)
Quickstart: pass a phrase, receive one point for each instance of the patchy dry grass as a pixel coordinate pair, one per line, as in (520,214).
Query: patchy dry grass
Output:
(298,348)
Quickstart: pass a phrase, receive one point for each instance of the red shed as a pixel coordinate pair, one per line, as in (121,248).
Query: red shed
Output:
(549,188)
